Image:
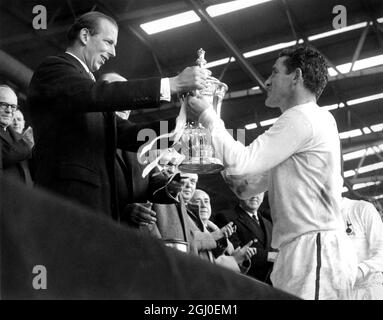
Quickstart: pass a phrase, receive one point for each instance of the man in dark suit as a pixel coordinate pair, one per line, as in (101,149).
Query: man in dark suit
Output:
(251,225)
(53,249)
(76,131)
(16,149)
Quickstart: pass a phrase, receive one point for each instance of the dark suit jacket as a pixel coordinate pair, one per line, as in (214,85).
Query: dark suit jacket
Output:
(76,131)
(91,257)
(139,188)
(248,229)
(15,156)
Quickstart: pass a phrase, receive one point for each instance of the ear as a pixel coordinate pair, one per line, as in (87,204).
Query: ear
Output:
(298,75)
(84,36)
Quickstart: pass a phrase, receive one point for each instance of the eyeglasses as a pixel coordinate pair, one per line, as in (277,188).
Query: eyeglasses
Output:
(4,105)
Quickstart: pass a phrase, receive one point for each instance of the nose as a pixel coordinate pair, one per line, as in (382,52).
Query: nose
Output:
(268,82)
(112,52)
(8,109)
(202,204)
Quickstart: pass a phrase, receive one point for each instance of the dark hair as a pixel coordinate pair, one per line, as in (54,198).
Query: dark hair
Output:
(313,66)
(90,21)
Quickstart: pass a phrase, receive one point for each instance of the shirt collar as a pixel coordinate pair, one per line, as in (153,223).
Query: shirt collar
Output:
(251,214)
(82,62)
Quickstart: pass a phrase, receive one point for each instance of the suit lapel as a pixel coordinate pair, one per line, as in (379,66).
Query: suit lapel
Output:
(266,226)
(76,63)
(251,225)
(183,216)
(192,211)
(5,136)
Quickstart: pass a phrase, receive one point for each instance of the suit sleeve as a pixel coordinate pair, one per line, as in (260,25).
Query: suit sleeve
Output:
(57,78)
(13,153)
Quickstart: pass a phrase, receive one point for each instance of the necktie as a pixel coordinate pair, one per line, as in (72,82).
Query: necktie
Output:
(255,217)
(92,76)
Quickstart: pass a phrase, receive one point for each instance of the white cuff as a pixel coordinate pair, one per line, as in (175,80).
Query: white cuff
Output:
(165,90)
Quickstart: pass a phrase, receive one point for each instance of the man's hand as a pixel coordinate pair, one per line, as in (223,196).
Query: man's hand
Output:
(27,136)
(244,253)
(141,213)
(197,105)
(175,186)
(224,232)
(189,79)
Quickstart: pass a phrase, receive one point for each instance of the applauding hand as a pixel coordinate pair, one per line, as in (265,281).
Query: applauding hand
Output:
(244,253)
(224,232)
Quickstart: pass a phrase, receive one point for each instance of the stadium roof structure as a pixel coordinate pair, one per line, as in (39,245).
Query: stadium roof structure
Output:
(242,39)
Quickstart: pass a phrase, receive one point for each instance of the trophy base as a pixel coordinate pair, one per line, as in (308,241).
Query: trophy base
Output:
(204,166)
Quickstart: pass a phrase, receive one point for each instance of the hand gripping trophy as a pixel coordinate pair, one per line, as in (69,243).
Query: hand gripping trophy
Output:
(197,153)
(195,142)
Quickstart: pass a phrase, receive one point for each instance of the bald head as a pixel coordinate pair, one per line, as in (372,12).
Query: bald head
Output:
(202,199)
(8,105)
(199,194)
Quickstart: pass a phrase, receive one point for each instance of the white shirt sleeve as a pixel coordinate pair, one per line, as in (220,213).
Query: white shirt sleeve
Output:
(165,90)
(373,226)
(289,134)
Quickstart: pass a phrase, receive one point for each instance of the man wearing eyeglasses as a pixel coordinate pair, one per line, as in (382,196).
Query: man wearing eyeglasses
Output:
(15,148)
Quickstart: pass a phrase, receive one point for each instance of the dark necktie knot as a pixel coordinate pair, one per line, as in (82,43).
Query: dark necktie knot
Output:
(255,217)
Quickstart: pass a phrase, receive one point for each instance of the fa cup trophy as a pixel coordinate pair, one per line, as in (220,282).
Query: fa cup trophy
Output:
(196,143)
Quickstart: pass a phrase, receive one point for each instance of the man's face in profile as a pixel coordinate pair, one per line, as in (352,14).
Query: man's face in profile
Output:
(101,46)
(279,85)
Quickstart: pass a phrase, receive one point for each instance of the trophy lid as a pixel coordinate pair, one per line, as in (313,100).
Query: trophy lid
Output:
(201,62)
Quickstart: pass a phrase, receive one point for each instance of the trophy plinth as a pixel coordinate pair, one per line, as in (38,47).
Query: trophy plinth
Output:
(196,144)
